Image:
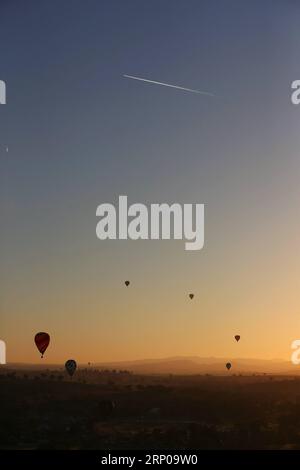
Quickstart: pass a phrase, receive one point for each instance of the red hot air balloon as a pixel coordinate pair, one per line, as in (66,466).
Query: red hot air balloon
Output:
(228,366)
(237,337)
(42,341)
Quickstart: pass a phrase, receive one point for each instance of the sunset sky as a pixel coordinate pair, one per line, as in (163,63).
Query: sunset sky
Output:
(80,134)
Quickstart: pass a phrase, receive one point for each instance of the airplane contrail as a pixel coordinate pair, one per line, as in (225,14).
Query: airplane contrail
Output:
(168,85)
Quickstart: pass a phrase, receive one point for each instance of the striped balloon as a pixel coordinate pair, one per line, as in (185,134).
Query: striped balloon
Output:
(70,366)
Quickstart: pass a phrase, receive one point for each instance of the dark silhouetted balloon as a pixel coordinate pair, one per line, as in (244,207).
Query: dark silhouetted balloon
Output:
(228,365)
(42,341)
(70,366)
(237,337)
(191,296)
(127,283)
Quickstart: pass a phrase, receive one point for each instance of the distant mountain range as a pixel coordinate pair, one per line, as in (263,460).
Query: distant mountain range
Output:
(187,366)
(204,365)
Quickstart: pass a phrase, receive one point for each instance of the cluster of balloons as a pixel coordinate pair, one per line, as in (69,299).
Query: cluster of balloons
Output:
(42,341)
(191,296)
(228,364)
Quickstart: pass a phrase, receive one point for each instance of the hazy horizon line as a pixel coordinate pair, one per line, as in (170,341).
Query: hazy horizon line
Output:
(167,358)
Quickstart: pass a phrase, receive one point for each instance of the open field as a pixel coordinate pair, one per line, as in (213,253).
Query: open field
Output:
(120,410)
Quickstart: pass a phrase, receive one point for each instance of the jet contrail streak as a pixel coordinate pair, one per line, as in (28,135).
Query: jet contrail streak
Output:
(171,86)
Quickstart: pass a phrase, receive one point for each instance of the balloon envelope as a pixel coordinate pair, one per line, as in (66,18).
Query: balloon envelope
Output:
(237,337)
(42,341)
(191,296)
(228,365)
(127,283)
(70,366)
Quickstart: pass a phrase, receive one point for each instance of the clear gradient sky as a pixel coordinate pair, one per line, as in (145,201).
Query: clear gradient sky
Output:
(79,134)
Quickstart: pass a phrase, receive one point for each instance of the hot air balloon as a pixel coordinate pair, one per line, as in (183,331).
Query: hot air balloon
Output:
(42,341)
(228,366)
(237,337)
(127,283)
(70,366)
(191,296)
